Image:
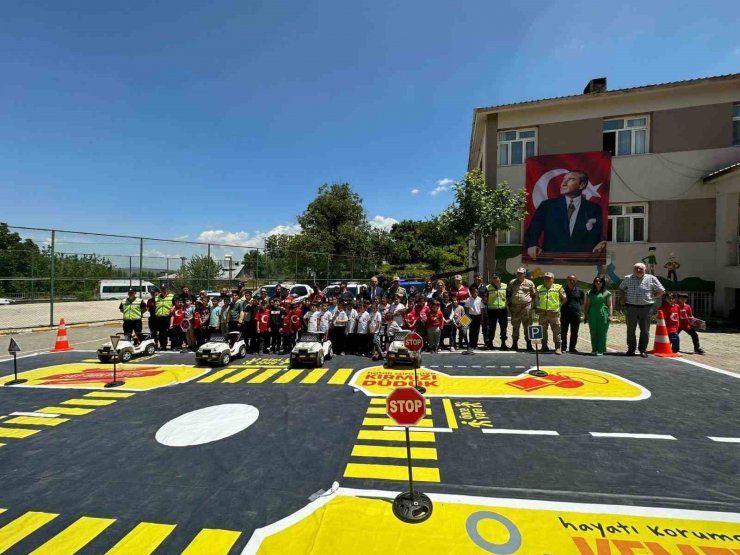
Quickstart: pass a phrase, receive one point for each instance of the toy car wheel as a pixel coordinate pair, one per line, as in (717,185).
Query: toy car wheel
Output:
(125,356)
(104,360)
(150,349)
(225,359)
(320,359)
(330,354)
(242,351)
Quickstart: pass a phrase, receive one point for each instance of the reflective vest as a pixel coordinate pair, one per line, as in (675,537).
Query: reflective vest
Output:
(496,297)
(549,299)
(163,305)
(132,309)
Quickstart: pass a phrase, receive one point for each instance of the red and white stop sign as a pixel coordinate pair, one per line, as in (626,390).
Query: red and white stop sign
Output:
(413,342)
(405,406)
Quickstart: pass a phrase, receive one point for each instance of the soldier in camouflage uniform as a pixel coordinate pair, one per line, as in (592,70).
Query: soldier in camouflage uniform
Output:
(521,296)
(550,297)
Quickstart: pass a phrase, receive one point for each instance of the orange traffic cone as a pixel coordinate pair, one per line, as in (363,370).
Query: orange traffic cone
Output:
(62,343)
(662,345)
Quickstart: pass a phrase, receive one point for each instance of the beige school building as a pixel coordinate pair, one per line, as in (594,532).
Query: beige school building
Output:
(675,181)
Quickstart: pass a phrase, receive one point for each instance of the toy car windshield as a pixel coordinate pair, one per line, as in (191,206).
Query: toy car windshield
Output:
(233,337)
(218,338)
(124,336)
(400,335)
(311,338)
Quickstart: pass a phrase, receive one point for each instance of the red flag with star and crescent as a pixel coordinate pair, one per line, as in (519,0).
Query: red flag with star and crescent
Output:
(544,177)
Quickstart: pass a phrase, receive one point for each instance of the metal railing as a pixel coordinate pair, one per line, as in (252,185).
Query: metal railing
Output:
(48,274)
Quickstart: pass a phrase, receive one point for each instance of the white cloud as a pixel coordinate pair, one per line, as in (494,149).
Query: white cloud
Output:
(446,182)
(383,222)
(414,191)
(244,238)
(442,186)
(156,253)
(182,237)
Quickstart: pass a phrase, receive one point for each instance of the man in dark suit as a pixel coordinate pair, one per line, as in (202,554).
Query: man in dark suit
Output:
(568,223)
(376,292)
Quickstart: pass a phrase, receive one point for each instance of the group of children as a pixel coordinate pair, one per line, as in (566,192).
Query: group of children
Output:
(679,317)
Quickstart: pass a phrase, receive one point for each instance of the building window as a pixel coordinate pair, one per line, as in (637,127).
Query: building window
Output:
(627,223)
(512,236)
(736,125)
(625,136)
(514,147)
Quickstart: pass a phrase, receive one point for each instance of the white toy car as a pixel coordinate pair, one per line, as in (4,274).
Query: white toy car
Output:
(128,347)
(311,349)
(221,349)
(397,352)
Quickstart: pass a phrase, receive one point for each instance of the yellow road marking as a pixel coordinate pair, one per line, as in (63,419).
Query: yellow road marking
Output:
(65,410)
(240,375)
(23,526)
(383,451)
(315,375)
(289,376)
(143,539)
(212,542)
(424,423)
(37,421)
(450,414)
(264,376)
(89,402)
(340,376)
(217,375)
(109,394)
(16,432)
(391,472)
(75,536)
(381,410)
(395,435)
(381,401)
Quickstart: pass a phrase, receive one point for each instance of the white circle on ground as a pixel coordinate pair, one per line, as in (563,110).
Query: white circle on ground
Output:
(207,425)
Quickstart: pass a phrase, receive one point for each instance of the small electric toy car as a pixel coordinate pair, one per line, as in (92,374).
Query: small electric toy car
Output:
(128,347)
(311,349)
(221,349)
(397,352)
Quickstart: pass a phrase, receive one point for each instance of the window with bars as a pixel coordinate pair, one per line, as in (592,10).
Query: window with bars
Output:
(514,147)
(626,136)
(736,125)
(627,223)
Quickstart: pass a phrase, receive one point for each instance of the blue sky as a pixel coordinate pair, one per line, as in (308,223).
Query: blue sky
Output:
(218,120)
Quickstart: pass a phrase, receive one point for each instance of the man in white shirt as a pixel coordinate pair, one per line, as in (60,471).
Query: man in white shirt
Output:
(474,308)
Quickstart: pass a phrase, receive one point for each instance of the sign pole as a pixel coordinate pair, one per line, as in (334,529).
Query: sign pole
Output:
(114,339)
(421,389)
(537,354)
(14,349)
(408,459)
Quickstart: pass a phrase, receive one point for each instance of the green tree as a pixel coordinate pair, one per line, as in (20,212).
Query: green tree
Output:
(199,272)
(17,259)
(480,211)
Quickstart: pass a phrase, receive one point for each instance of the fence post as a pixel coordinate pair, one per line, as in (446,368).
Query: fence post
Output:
(208,267)
(328,262)
(51,284)
(141,265)
(131,272)
(295,277)
(257,268)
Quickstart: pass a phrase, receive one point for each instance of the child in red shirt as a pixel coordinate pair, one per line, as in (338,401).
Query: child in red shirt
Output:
(685,322)
(434,324)
(263,328)
(671,317)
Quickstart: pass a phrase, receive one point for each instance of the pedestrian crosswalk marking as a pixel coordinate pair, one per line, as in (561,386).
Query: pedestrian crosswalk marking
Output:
(264,376)
(76,536)
(36,421)
(212,542)
(381,410)
(65,410)
(19,433)
(385,435)
(386,452)
(89,402)
(143,539)
(315,375)
(23,526)
(424,423)
(340,376)
(391,472)
(288,376)
(240,375)
(217,375)
(109,394)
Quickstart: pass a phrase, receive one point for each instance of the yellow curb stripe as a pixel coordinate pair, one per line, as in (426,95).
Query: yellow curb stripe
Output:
(385,452)
(65,410)
(391,472)
(395,435)
(88,402)
(212,542)
(289,376)
(37,421)
(315,375)
(450,414)
(75,536)
(143,539)
(23,526)
(341,376)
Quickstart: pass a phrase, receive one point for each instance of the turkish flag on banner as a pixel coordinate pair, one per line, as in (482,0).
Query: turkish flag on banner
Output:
(567,208)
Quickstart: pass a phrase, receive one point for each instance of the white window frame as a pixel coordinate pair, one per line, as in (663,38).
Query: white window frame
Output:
(524,140)
(631,228)
(626,127)
(735,118)
(504,237)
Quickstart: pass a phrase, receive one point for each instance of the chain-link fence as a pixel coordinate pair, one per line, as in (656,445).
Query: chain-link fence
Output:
(50,274)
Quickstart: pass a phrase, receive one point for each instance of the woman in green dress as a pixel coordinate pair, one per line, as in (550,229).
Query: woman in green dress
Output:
(598,312)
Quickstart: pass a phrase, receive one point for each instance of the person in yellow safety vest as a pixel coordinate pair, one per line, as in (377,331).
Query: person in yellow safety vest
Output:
(162,308)
(496,311)
(132,309)
(550,297)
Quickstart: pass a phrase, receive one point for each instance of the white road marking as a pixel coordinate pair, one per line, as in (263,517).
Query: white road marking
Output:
(475,366)
(633,436)
(707,367)
(520,432)
(415,429)
(39,414)
(725,439)
(506,367)
(448,366)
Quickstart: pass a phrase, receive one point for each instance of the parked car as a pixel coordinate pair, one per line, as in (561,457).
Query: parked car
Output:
(6,301)
(298,291)
(128,347)
(311,349)
(398,353)
(221,349)
(353,287)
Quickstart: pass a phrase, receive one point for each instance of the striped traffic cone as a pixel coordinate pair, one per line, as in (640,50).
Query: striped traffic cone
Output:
(662,345)
(62,343)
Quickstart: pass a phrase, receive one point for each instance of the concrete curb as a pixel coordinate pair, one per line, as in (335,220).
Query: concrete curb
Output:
(51,328)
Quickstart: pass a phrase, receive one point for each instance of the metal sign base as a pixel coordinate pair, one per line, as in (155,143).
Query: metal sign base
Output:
(15,382)
(412,507)
(114,384)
